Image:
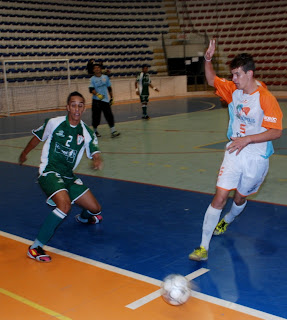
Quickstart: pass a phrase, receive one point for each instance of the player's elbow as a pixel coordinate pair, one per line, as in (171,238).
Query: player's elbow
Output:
(210,76)
(276,134)
(279,133)
(210,80)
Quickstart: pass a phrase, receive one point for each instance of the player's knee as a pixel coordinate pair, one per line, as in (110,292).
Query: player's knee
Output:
(218,202)
(240,201)
(65,207)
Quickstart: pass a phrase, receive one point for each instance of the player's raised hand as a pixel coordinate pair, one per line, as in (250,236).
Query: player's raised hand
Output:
(210,51)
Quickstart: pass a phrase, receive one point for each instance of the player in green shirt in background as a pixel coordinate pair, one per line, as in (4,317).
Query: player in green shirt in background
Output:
(142,85)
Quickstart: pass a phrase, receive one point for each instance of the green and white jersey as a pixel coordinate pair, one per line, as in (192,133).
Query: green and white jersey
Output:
(64,145)
(143,80)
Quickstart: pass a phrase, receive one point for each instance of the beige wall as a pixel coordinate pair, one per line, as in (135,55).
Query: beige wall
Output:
(124,89)
(53,95)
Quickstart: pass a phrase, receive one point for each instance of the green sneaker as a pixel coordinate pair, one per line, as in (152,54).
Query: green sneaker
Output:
(199,254)
(220,228)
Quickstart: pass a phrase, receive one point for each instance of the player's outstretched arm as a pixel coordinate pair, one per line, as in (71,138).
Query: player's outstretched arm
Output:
(30,146)
(209,71)
(154,88)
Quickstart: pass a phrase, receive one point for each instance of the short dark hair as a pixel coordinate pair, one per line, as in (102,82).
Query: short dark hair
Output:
(243,60)
(74,94)
(145,66)
(98,64)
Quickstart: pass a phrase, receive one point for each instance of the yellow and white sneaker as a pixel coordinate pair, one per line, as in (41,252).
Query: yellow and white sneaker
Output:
(220,228)
(199,254)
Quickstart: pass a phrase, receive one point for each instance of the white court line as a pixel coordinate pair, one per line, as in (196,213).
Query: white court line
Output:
(235,306)
(140,302)
(198,295)
(156,294)
(98,264)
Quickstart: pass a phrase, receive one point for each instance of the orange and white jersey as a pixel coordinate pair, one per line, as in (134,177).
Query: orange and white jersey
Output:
(250,114)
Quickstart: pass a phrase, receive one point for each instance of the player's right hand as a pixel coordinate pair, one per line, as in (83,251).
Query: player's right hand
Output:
(100,96)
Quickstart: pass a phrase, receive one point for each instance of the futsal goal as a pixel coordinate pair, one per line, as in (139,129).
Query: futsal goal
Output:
(33,85)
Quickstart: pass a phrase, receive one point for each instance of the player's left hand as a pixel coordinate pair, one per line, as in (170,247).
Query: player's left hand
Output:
(111,101)
(238,143)
(22,158)
(97,162)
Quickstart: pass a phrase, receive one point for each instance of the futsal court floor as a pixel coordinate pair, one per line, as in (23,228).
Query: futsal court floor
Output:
(158,179)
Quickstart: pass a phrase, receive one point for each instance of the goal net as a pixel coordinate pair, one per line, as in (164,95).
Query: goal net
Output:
(33,85)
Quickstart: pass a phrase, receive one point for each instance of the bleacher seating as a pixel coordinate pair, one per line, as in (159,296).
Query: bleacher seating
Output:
(122,34)
(256,27)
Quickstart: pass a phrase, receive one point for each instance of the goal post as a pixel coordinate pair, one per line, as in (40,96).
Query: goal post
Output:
(33,85)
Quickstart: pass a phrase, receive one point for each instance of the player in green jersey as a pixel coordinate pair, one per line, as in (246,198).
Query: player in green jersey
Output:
(66,138)
(142,85)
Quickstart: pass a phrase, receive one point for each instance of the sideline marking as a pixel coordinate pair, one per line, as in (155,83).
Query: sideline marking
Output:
(33,305)
(95,263)
(156,294)
(137,276)
(235,306)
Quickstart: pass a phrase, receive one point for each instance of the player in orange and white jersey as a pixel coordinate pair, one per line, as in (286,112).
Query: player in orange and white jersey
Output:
(255,119)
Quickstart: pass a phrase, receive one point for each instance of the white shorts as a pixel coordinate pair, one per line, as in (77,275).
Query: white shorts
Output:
(244,172)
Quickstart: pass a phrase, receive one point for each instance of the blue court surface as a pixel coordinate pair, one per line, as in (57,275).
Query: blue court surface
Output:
(150,228)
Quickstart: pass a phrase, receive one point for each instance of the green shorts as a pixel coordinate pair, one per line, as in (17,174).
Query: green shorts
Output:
(53,182)
(144,98)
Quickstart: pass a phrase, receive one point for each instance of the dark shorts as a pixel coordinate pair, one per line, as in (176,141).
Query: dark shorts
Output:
(144,99)
(52,182)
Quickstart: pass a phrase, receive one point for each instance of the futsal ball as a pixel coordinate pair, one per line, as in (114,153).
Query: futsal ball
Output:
(175,289)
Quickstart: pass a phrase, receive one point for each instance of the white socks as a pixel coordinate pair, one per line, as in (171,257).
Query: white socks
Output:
(210,221)
(234,212)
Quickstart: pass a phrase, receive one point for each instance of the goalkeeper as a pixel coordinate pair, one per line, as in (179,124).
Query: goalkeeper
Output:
(100,87)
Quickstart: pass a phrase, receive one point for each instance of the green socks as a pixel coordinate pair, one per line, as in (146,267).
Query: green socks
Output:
(49,226)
